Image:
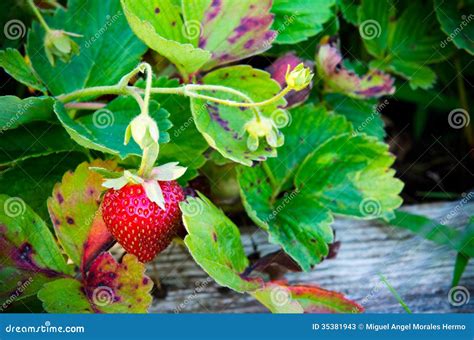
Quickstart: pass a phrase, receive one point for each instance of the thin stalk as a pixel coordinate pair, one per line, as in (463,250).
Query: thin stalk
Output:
(39,15)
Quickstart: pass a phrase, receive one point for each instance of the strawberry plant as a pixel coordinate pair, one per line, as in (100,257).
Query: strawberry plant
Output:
(127,105)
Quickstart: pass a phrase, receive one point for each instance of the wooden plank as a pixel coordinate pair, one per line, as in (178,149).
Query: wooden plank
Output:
(419,270)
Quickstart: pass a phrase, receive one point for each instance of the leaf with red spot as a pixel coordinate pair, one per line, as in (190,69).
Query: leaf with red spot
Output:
(199,35)
(75,213)
(29,255)
(282,298)
(214,242)
(109,287)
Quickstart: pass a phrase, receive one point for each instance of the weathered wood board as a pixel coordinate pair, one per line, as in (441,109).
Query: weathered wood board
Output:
(419,270)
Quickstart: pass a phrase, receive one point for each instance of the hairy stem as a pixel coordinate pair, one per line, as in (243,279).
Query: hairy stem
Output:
(38,14)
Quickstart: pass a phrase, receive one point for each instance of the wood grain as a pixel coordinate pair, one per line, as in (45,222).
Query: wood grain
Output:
(419,270)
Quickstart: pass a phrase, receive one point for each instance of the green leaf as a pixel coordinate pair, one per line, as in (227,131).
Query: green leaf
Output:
(74,210)
(363,114)
(214,242)
(454,17)
(33,179)
(405,46)
(15,111)
(419,76)
(110,287)
(104,130)
(436,232)
(374,21)
(160,26)
(34,140)
(108,48)
(321,170)
(282,298)
(348,168)
(64,296)
(15,65)
(459,267)
(28,252)
(223,126)
(349,10)
(297,20)
(202,34)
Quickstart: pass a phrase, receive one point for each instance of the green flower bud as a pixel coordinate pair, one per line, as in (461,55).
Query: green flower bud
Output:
(263,127)
(144,131)
(57,43)
(299,77)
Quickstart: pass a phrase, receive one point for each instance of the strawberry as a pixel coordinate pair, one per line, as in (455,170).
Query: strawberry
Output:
(139,224)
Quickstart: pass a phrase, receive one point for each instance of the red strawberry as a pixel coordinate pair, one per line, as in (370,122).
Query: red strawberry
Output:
(138,224)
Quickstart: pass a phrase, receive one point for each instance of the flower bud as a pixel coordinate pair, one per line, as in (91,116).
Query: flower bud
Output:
(299,77)
(57,43)
(144,131)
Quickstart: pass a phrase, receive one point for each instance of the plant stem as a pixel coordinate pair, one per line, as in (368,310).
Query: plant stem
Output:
(85,106)
(39,15)
(147,88)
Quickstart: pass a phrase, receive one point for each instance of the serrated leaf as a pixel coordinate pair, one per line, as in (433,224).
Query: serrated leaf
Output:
(108,48)
(104,129)
(347,168)
(15,65)
(419,76)
(363,114)
(129,288)
(160,26)
(214,242)
(34,140)
(339,78)
(28,251)
(110,287)
(297,20)
(223,126)
(349,10)
(33,179)
(321,170)
(374,19)
(282,298)
(16,111)
(454,17)
(203,34)
(75,214)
